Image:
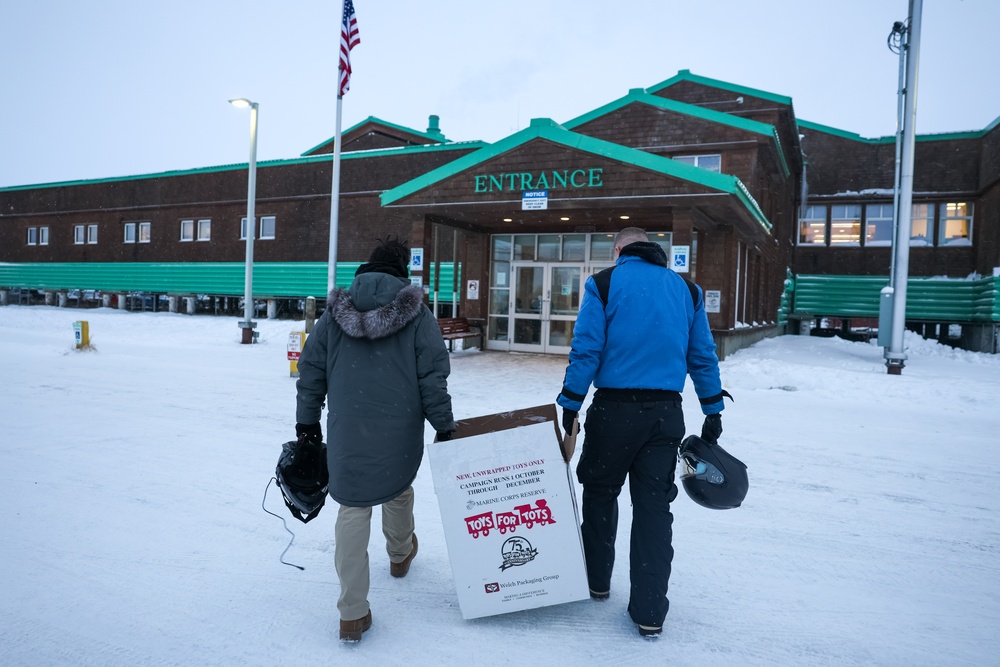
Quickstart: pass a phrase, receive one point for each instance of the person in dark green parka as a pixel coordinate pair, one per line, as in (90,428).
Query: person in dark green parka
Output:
(377,359)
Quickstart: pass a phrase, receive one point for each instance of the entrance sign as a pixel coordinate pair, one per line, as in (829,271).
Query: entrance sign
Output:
(416,259)
(679,260)
(569,179)
(713,300)
(472,290)
(535,200)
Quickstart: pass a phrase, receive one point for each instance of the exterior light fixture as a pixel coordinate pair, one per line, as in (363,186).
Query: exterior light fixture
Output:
(624,217)
(564,218)
(507,220)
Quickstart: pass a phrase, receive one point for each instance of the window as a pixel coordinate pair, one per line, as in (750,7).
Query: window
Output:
(91,234)
(32,235)
(812,226)
(878,224)
(204,230)
(921,223)
(709,162)
(78,232)
(187,230)
(845,225)
(129,232)
(144,231)
(43,236)
(267,223)
(955,226)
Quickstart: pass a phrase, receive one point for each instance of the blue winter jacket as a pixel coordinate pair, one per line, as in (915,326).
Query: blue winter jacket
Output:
(649,336)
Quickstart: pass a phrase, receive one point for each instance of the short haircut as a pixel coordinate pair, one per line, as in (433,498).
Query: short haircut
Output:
(630,235)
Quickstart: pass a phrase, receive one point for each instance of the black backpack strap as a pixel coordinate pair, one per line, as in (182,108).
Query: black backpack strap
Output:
(694,292)
(603,281)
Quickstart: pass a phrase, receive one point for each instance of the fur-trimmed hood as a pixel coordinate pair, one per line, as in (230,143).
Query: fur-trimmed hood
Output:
(377,305)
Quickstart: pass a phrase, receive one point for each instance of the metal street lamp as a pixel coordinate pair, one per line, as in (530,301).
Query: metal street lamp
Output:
(248,324)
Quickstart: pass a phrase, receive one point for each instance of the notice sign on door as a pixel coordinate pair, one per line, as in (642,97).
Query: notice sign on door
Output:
(472,290)
(535,200)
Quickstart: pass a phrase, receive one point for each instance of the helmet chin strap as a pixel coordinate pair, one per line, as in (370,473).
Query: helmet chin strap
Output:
(283,523)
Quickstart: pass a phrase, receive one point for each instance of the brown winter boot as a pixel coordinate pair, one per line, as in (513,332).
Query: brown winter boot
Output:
(350,631)
(400,569)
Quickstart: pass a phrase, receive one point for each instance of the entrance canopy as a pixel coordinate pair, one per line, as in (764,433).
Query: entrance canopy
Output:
(547,178)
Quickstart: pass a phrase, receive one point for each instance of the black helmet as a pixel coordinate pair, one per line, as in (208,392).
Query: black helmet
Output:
(303,478)
(712,477)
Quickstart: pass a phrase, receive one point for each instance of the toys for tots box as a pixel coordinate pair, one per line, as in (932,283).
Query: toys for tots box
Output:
(509,511)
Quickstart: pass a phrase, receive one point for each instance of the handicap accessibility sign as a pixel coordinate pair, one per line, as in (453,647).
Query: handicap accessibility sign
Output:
(679,261)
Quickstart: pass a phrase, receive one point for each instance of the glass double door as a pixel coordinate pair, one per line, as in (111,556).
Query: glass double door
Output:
(545,299)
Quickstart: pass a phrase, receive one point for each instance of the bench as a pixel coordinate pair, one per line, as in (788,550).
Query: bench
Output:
(456,328)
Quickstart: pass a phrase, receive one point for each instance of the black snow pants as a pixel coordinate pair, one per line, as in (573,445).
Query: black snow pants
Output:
(629,435)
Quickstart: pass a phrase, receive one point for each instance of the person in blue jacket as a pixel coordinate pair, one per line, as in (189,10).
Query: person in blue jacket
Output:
(641,330)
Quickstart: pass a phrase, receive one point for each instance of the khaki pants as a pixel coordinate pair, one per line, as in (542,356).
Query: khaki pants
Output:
(351,548)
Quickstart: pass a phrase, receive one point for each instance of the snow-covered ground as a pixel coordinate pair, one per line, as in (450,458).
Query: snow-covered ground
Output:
(133,532)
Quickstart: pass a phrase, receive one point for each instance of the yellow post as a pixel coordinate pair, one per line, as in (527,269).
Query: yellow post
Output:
(296,341)
(81,331)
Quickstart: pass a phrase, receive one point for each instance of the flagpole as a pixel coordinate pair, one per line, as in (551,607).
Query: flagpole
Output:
(331,276)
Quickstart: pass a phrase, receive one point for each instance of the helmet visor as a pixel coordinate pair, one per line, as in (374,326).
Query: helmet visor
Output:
(703,470)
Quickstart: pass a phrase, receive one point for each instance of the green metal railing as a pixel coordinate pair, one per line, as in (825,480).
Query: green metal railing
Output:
(270,279)
(927,299)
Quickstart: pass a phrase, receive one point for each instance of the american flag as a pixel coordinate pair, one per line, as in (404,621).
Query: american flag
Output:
(348,40)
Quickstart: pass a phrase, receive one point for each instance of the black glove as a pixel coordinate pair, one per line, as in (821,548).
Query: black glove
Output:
(310,434)
(712,429)
(444,435)
(568,417)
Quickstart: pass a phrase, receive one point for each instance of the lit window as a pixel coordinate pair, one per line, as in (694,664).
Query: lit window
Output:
(204,230)
(267,224)
(956,224)
(812,226)
(91,234)
(709,162)
(878,224)
(43,236)
(187,230)
(129,232)
(144,232)
(921,222)
(845,225)
(78,232)
(32,235)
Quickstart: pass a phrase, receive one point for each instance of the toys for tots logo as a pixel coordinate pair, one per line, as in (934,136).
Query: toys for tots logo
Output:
(516,551)
(522,515)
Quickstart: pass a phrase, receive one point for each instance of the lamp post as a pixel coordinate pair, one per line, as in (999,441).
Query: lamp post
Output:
(248,324)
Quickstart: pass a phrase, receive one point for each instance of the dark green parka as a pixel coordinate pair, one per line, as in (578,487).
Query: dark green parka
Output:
(376,357)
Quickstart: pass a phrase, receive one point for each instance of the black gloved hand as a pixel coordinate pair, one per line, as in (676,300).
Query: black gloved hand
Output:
(309,433)
(712,429)
(567,420)
(444,435)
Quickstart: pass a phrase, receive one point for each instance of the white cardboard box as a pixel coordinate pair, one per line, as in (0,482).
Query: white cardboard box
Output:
(508,505)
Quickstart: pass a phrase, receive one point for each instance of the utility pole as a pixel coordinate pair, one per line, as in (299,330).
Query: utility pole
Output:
(894,355)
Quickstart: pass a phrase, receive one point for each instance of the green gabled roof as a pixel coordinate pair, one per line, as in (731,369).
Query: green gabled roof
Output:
(325,157)
(439,138)
(686,75)
(853,136)
(549,130)
(640,96)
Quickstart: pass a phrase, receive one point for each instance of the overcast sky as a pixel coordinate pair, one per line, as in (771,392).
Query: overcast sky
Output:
(113,87)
